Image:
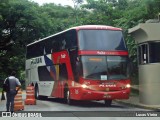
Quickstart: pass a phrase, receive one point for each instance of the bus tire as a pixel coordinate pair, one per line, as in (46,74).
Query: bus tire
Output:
(107,103)
(36,92)
(37,96)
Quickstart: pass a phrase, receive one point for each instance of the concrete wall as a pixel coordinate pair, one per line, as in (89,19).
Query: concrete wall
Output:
(149,74)
(149,83)
(146,32)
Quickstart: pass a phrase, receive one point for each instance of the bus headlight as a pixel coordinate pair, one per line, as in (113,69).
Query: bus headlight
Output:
(84,86)
(128,86)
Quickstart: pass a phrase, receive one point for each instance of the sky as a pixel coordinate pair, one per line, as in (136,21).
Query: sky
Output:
(62,2)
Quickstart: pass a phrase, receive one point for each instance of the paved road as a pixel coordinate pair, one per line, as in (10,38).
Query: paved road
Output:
(78,111)
(53,104)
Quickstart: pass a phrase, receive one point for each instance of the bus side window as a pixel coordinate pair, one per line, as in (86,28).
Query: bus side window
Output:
(71,40)
(63,46)
(67,37)
(63,74)
(55,45)
(74,38)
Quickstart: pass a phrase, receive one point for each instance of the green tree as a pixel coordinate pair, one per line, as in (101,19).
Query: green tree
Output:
(17,30)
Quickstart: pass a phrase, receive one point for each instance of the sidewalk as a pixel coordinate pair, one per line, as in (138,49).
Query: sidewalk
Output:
(134,101)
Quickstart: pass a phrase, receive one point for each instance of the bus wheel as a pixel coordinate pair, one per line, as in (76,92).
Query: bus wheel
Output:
(37,96)
(107,103)
(36,92)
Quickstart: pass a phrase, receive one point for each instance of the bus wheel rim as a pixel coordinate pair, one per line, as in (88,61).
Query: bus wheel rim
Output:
(37,93)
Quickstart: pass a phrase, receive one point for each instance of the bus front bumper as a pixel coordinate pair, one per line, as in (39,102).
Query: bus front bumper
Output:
(85,94)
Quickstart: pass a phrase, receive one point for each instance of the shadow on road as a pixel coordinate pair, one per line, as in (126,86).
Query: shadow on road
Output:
(85,104)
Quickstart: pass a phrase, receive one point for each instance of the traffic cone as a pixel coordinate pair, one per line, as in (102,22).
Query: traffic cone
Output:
(18,103)
(30,96)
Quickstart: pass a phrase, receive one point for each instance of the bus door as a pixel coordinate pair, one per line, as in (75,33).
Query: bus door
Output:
(62,59)
(63,76)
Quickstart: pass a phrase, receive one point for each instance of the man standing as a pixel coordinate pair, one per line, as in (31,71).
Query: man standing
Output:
(10,94)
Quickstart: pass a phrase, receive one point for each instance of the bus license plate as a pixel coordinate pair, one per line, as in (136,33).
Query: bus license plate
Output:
(107,96)
(107,89)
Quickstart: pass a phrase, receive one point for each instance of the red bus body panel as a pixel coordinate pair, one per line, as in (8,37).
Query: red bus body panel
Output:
(101,91)
(60,58)
(97,89)
(81,52)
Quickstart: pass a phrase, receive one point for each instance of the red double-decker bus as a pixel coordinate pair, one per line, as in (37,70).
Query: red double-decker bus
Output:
(87,62)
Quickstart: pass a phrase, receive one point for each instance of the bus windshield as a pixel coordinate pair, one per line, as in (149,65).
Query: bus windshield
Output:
(101,40)
(105,67)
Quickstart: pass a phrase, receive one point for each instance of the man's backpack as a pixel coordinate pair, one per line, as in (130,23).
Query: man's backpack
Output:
(6,86)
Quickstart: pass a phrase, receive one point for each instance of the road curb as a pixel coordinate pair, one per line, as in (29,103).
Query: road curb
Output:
(138,105)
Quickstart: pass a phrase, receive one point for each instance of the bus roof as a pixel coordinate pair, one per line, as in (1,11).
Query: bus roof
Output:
(96,27)
(83,27)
